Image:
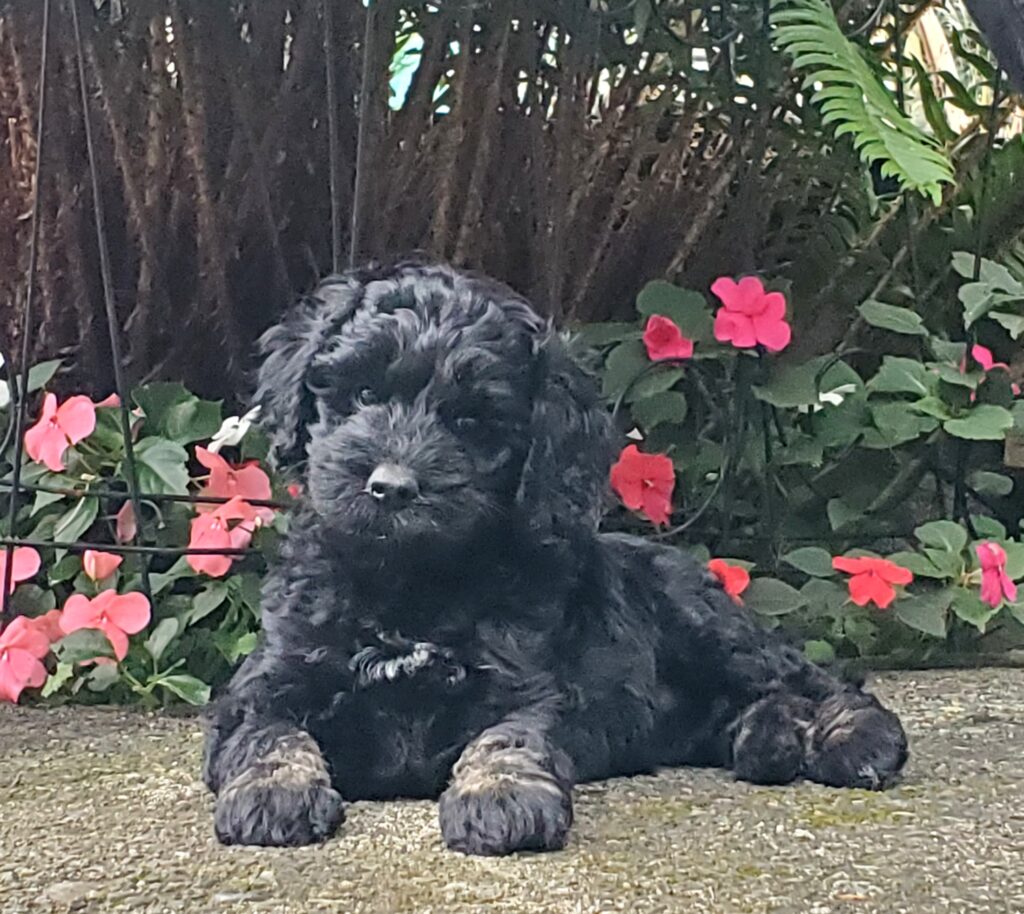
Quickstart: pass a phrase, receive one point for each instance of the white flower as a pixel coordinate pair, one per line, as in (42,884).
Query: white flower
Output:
(832,397)
(634,435)
(233,430)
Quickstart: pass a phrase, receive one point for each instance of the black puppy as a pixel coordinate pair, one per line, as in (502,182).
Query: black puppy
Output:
(445,619)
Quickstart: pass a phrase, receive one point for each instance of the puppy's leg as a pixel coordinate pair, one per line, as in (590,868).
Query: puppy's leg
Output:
(768,739)
(511,790)
(273,787)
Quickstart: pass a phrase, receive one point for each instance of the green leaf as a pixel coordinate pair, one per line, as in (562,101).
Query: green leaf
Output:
(1014,559)
(893,318)
(255,444)
(934,111)
(944,535)
(161,581)
(174,413)
(43,500)
(38,377)
(161,466)
(668,406)
(654,382)
(793,385)
(66,569)
(73,524)
(687,309)
(57,678)
(101,677)
(623,365)
(956,377)
(802,450)
(945,351)
(85,644)
(32,600)
(605,334)
(853,98)
(1013,323)
(812,560)
(988,527)
(840,513)
(188,688)
(902,375)
(161,636)
(895,424)
(920,565)
(820,652)
(932,406)
(983,423)
(206,601)
(771,597)
(968,606)
(986,483)
(926,612)
(825,597)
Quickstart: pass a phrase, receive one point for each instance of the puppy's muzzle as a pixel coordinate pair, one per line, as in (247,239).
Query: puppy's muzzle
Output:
(392,485)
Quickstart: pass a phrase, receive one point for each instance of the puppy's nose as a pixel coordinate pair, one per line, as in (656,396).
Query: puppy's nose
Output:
(391,483)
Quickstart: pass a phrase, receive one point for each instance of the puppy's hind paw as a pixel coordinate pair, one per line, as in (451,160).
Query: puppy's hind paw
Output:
(277,806)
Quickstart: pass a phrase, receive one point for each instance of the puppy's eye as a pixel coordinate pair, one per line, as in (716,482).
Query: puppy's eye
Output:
(367,397)
(466,424)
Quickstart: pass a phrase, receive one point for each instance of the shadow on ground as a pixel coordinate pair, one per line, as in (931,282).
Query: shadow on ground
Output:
(102,811)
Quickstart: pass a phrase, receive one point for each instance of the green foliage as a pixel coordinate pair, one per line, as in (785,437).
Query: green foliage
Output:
(854,100)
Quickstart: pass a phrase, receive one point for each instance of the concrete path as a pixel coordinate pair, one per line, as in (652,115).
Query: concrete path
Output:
(102,811)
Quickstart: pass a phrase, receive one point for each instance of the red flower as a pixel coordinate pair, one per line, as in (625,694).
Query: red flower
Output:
(48,624)
(116,615)
(995,582)
(246,480)
(59,428)
(218,529)
(644,482)
(664,340)
(22,646)
(25,565)
(100,565)
(126,526)
(749,315)
(735,578)
(294,489)
(872,579)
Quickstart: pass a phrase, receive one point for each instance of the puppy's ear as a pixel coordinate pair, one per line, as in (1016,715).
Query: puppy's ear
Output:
(287,404)
(565,475)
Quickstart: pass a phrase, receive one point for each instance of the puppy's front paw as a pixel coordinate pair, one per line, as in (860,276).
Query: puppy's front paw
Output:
(505,818)
(507,794)
(275,805)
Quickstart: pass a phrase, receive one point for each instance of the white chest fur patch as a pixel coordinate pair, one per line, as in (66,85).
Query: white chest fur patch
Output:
(389,663)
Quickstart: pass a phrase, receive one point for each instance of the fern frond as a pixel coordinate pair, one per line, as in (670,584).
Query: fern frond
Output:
(853,99)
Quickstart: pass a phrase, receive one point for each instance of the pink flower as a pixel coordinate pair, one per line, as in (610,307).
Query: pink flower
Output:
(48,624)
(644,482)
(58,428)
(22,646)
(126,526)
(750,316)
(664,340)
(995,582)
(25,565)
(116,615)
(111,400)
(246,480)
(873,579)
(983,356)
(294,490)
(99,566)
(229,526)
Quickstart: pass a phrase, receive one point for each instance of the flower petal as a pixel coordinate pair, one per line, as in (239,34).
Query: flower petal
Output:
(77,418)
(100,565)
(773,334)
(45,443)
(79,612)
(22,635)
(130,612)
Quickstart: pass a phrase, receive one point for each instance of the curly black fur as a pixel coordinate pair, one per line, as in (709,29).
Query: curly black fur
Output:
(445,619)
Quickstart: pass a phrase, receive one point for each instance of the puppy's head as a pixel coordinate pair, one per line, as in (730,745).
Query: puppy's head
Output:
(433,407)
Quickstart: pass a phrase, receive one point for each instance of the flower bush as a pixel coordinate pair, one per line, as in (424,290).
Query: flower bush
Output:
(83,628)
(901,457)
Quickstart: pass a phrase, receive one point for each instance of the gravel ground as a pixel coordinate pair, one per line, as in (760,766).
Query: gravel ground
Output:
(102,811)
